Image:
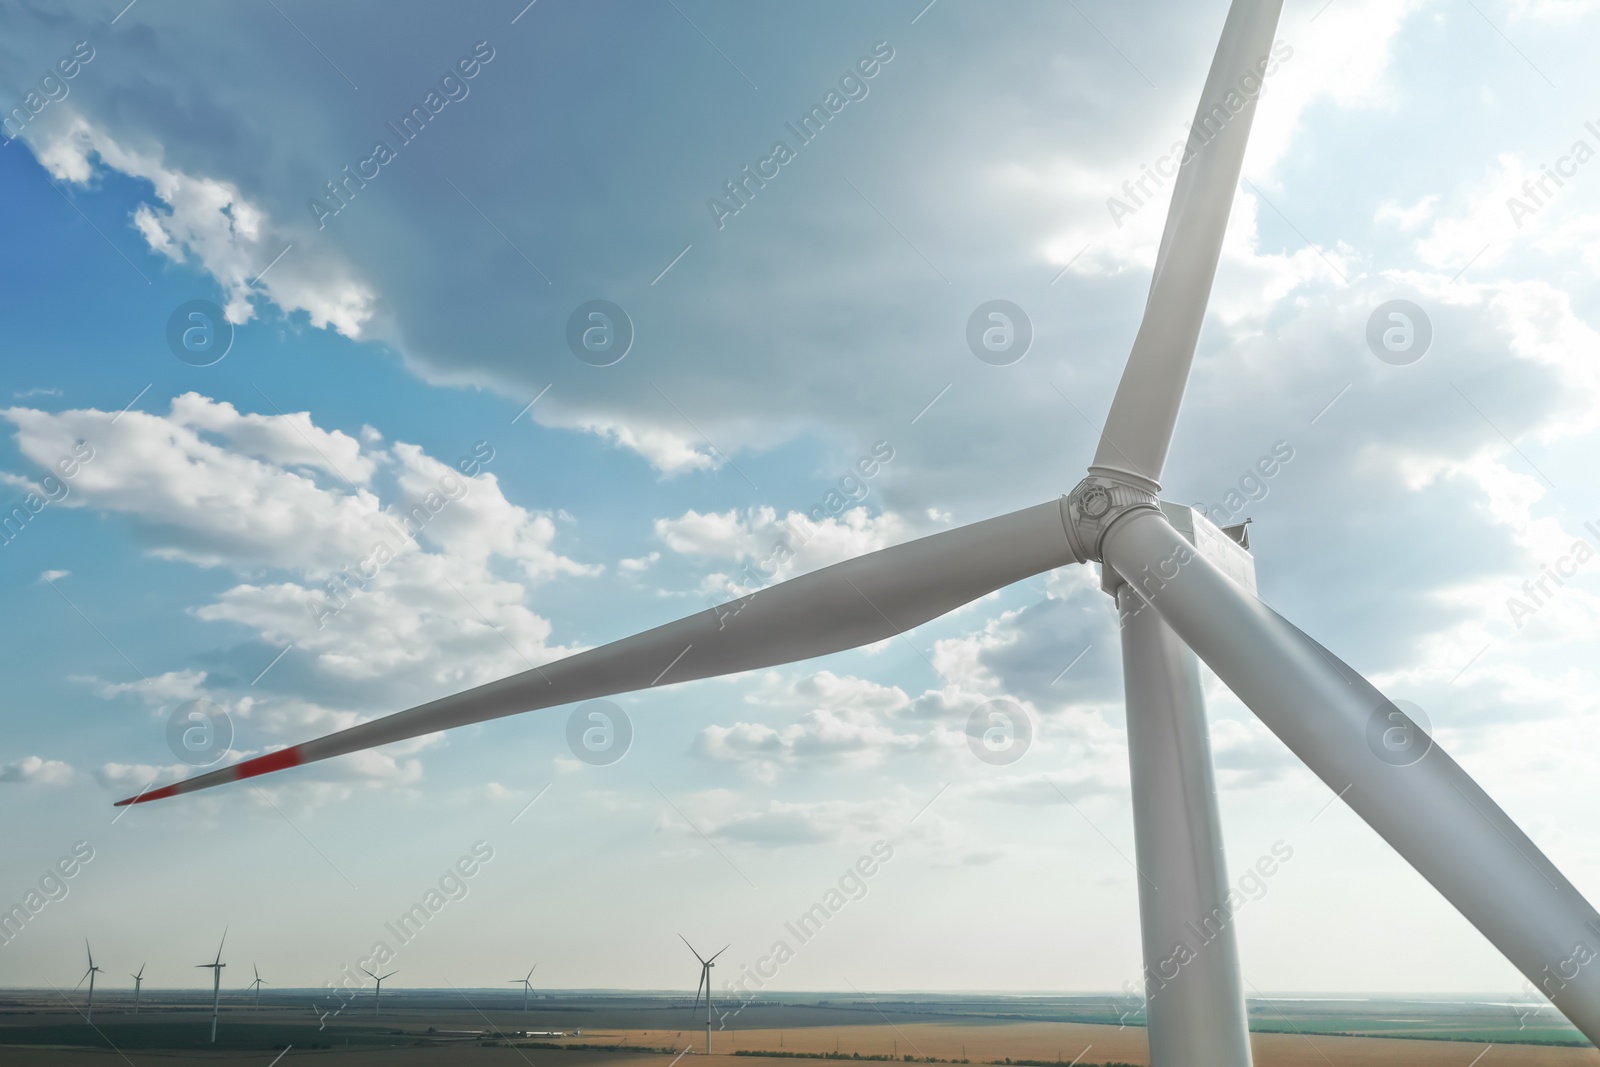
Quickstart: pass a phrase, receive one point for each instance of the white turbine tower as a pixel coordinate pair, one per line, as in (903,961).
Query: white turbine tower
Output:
(216,966)
(526,985)
(256,985)
(138,985)
(378,994)
(88,1015)
(705,984)
(1179,594)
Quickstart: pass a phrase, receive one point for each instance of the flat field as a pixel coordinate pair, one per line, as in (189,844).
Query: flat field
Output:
(428,1027)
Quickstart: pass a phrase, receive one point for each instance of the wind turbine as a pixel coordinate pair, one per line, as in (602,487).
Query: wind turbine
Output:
(705,983)
(88,1015)
(376,996)
(1178,595)
(216,966)
(526,985)
(256,985)
(138,984)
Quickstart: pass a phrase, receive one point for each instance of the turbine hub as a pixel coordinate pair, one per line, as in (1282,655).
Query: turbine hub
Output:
(1095,505)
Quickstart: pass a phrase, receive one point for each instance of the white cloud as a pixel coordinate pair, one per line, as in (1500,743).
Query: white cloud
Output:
(770,548)
(1483,230)
(425,622)
(247,497)
(132,777)
(668,452)
(640,564)
(431,614)
(33,770)
(482,523)
(1344,57)
(162,689)
(247,500)
(229,235)
(842,723)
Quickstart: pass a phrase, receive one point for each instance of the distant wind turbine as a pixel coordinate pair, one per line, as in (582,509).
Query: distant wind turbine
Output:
(216,966)
(526,985)
(89,974)
(138,983)
(705,983)
(256,985)
(379,978)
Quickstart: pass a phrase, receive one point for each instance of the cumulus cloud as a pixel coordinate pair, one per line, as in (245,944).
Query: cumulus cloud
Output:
(34,770)
(132,777)
(377,571)
(765,547)
(162,689)
(210,485)
(671,452)
(482,523)
(213,486)
(846,724)
(211,221)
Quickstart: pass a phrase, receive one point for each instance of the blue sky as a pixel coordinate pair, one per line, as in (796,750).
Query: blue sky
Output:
(375,348)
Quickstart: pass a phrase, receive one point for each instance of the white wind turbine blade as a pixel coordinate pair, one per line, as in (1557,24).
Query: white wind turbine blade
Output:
(1431,812)
(844,606)
(1138,429)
